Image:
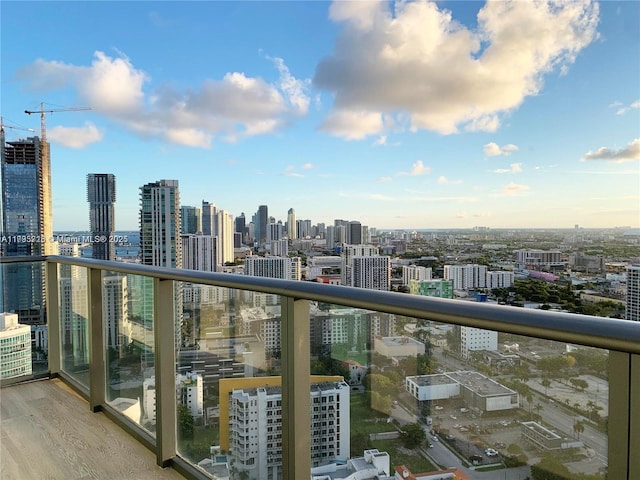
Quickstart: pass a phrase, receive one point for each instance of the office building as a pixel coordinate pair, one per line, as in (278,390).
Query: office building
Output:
(207,221)
(15,347)
(101,195)
(354,233)
(262,218)
(275,232)
(25,211)
(292,225)
(633,293)
(191,219)
(241,227)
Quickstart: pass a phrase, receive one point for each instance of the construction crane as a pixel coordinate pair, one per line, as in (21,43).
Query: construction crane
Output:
(3,126)
(42,111)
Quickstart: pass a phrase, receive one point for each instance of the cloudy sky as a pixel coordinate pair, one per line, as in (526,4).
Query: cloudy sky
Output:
(397,114)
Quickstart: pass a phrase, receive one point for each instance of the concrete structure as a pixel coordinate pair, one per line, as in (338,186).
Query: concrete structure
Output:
(160,224)
(633,293)
(101,195)
(475,339)
(189,391)
(348,253)
(322,265)
(414,272)
(477,391)
(15,347)
(262,216)
(115,309)
(251,423)
(544,439)
(279,248)
(499,279)
(398,347)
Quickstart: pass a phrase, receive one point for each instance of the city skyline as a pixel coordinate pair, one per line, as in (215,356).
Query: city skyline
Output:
(398,115)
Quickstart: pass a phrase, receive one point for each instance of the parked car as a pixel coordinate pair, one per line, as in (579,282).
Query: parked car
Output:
(490,452)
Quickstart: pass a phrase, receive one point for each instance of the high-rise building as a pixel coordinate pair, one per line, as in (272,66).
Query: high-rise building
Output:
(224,230)
(292,224)
(191,218)
(115,310)
(208,211)
(241,227)
(275,231)
(466,277)
(160,245)
(348,253)
(287,268)
(262,218)
(15,347)
(633,293)
(499,279)
(26,223)
(199,252)
(415,272)
(372,272)
(255,442)
(101,195)
(160,224)
(354,233)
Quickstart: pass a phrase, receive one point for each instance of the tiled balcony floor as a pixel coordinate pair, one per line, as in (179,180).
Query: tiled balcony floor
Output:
(47,431)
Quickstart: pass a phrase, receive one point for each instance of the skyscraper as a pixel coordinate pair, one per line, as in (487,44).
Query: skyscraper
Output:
(208,211)
(292,226)
(160,224)
(633,293)
(25,222)
(101,195)
(191,220)
(261,224)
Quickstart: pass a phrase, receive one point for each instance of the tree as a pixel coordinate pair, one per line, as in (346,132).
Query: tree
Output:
(546,383)
(578,428)
(412,435)
(185,423)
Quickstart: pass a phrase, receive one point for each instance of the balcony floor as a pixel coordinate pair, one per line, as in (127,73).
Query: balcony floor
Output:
(47,431)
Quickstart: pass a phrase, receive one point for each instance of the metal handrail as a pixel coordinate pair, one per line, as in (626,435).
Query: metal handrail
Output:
(607,333)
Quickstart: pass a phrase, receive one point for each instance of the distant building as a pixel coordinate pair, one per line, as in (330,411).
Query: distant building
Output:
(15,347)
(200,252)
(191,220)
(544,439)
(466,277)
(547,260)
(415,272)
(432,288)
(101,195)
(474,339)
(633,293)
(403,473)
(398,347)
(499,280)
(371,272)
(288,268)
(373,465)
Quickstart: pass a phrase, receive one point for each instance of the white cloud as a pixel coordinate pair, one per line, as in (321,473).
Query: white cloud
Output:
(442,180)
(381,140)
(513,189)
(384,179)
(233,107)
(351,124)
(513,168)
(75,137)
(307,166)
(627,154)
(417,61)
(418,168)
(492,149)
(622,110)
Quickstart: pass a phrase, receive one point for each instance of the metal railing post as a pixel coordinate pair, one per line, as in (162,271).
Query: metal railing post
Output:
(296,403)
(97,351)
(165,370)
(52,299)
(634,418)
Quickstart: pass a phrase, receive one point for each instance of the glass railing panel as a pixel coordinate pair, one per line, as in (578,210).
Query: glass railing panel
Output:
(435,396)
(128,319)
(74,322)
(228,382)
(23,331)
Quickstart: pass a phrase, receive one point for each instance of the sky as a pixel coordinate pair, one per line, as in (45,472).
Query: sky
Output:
(401,115)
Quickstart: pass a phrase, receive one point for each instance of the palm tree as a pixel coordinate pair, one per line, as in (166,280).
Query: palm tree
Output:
(578,428)
(546,383)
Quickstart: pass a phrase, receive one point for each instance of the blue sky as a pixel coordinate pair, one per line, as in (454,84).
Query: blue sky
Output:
(396,114)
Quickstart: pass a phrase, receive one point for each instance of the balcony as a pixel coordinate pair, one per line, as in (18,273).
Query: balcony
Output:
(126,391)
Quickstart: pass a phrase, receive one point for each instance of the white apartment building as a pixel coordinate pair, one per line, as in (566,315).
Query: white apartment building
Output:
(347,255)
(633,293)
(74,318)
(499,280)
(115,309)
(190,393)
(15,347)
(320,265)
(415,272)
(279,248)
(200,252)
(472,339)
(288,268)
(255,428)
(466,277)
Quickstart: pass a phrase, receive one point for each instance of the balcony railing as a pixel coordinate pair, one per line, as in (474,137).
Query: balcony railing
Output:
(85,349)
